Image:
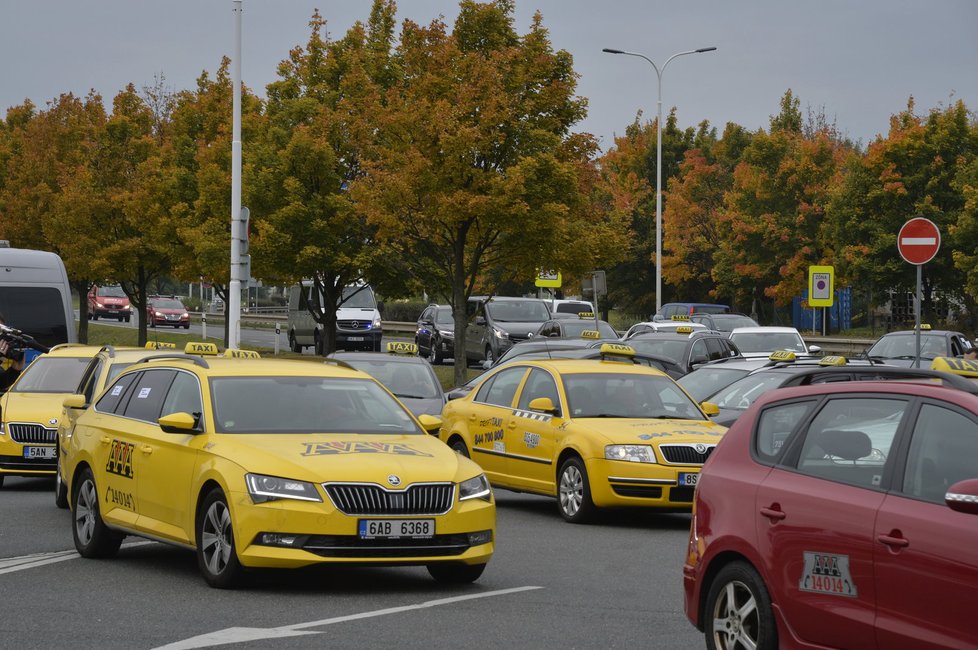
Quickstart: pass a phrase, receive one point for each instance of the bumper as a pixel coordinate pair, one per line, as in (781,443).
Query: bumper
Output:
(318,533)
(366,339)
(645,485)
(13,462)
(174,323)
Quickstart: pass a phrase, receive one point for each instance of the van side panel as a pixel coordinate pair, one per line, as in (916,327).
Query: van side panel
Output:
(35,295)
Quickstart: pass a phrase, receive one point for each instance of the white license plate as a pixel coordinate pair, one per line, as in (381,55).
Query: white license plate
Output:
(354,338)
(396,528)
(41,452)
(688,478)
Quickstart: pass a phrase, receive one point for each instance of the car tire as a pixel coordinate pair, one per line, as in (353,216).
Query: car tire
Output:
(217,555)
(60,491)
(455,573)
(490,357)
(152,323)
(574,492)
(458,446)
(295,347)
(127,318)
(94,316)
(1,480)
(93,539)
(434,352)
(187,326)
(318,344)
(724,624)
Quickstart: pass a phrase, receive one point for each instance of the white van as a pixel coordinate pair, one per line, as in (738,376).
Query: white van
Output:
(358,324)
(35,296)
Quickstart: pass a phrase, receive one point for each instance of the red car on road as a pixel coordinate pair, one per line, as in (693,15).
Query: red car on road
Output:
(166,310)
(842,515)
(108,302)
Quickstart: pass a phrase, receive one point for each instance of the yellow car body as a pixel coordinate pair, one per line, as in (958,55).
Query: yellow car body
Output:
(565,428)
(270,463)
(30,411)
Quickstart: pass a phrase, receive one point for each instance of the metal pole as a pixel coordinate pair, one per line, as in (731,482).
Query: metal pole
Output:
(234,288)
(278,332)
(203,325)
(916,309)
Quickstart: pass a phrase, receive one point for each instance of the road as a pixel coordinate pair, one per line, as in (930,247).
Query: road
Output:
(615,584)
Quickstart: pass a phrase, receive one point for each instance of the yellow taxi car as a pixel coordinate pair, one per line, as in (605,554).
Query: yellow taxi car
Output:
(593,433)
(271,463)
(31,410)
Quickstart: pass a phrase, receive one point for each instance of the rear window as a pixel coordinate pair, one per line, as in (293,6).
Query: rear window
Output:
(38,311)
(572,308)
(52,375)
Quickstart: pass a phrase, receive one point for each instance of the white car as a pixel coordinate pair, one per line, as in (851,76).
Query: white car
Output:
(762,341)
(660,326)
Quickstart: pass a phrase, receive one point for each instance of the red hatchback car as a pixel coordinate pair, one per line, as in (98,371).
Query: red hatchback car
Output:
(841,515)
(166,310)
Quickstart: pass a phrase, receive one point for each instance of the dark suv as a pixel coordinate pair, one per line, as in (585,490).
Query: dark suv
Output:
(435,336)
(495,324)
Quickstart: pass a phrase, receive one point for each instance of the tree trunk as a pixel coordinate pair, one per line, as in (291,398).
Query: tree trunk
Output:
(82,287)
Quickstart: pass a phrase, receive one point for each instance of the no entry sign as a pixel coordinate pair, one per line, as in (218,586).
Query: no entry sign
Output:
(919,241)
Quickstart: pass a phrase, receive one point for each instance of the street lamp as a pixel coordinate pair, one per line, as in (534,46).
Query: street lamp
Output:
(658,164)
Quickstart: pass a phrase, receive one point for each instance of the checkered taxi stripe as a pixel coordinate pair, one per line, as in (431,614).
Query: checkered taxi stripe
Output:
(530,415)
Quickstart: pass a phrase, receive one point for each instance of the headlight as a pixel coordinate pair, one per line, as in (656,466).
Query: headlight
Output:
(185,315)
(475,488)
(630,453)
(99,305)
(269,488)
(446,334)
(500,334)
(377,322)
(158,313)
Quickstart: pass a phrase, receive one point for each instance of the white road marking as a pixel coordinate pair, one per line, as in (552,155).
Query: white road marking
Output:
(918,241)
(248,634)
(20,563)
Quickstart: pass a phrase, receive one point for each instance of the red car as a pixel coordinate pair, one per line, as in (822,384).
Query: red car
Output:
(108,302)
(841,515)
(166,310)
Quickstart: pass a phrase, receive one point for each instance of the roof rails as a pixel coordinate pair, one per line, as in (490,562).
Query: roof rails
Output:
(894,372)
(197,361)
(108,349)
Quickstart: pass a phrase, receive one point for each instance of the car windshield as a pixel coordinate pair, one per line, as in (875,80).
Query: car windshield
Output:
(167,303)
(111,292)
(729,323)
(405,379)
(904,346)
(574,328)
(611,395)
(739,395)
(518,311)
(768,341)
(702,383)
(444,317)
(670,348)
(572,308)
(358,298)
(276,404)
(52,375)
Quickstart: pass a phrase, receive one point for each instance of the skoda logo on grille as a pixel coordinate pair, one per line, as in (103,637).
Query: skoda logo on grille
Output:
(53,421)
(394,480)
(355,324)
(700,448)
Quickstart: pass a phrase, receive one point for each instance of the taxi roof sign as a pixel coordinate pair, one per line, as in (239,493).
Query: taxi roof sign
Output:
(199,347)
(585,315)
(782,355)
(680,317)
(832,361)
(924,327)
(684,329)
(590,334)
(235,353)
(400,347)
(964,367)
(160,345)
(616,349)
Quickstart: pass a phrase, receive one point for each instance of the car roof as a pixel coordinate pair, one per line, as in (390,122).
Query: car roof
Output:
(761,329)
(73,350)
(575,366)
(960,390)
(221,366)
(673,336)
(378,356)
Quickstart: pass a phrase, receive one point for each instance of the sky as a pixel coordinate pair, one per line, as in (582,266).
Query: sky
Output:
(858,61)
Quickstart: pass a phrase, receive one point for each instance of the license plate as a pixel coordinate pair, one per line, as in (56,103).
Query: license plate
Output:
(688,478)
(41,452)
(396,528)
(354,338)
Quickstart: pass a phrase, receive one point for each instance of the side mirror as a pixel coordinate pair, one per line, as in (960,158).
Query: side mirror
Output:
(543,405)
(75,402)
(814,349)
(963,496)
(530,335)
(430,423)
(380,307)
(710,408)
(178,423)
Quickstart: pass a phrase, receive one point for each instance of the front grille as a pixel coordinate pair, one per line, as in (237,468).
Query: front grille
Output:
(681,494)
(14,463)
(353,546)
(641,491)
(372,499)
(358,324)
(686,454)
(32,433)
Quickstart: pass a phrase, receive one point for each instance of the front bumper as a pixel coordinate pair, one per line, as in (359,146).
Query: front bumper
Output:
(13,462)
(647,485)
(366,339)
(320,533)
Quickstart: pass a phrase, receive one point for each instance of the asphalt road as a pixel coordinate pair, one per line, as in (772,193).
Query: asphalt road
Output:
(615,584)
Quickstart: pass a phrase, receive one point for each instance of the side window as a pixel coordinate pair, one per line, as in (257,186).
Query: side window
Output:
(502,388)
(147,395)
(183,396)
(956,348)
(117,395)
(539,384)
(90,379)
(774,425)
(850,439)
(943,451)
(698,351)
(716,349)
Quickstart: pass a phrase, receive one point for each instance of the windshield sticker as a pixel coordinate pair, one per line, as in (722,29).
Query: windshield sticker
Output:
(328,448)
(144,392)
(827,574)
(532,440)
(117,391)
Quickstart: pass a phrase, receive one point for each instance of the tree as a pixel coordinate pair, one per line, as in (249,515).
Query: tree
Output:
(473,176)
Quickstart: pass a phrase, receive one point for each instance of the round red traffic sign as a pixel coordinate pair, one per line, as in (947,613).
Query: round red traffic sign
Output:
(919,240)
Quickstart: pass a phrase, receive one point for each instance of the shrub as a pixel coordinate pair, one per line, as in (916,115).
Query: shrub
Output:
(403,311)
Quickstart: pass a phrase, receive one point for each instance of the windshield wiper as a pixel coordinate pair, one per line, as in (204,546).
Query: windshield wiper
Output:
(407,396)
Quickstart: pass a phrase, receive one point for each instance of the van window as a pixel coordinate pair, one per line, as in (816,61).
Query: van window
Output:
(38,311)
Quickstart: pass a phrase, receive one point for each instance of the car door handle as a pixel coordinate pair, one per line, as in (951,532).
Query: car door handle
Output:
(893,541)
(773,513)
(146,449)
(512,424)
(105,440)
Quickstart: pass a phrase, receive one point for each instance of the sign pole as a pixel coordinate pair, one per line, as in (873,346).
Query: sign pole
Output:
(916,308)
(918,242)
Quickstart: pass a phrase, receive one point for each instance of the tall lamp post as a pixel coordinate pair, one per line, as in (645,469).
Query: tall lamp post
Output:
(658,163)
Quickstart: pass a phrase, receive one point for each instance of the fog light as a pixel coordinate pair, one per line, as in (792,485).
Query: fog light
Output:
(480,537)
(278,539)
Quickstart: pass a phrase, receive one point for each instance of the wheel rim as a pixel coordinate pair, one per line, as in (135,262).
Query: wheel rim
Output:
(57,482)
(736,621)
(432,355)
(86,509)
(571,490)
(217,542)
(489,356)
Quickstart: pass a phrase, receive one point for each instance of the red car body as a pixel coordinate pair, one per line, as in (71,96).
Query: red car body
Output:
(849,509)
(108,302)
(164,310)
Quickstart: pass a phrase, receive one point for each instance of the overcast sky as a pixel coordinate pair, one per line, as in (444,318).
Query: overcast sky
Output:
(859,59)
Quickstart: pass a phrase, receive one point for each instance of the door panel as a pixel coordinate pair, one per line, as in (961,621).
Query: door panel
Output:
(530,436)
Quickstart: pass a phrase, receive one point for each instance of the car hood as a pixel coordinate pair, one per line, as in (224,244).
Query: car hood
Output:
(355,313)
(642,430)
(726,417)
(340,457)
(426,406)
(40,408)
(521,330)
(168,310)
(120,302)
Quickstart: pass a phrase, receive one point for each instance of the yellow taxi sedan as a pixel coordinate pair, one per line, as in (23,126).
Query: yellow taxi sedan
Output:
(593,433)
(269,463)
